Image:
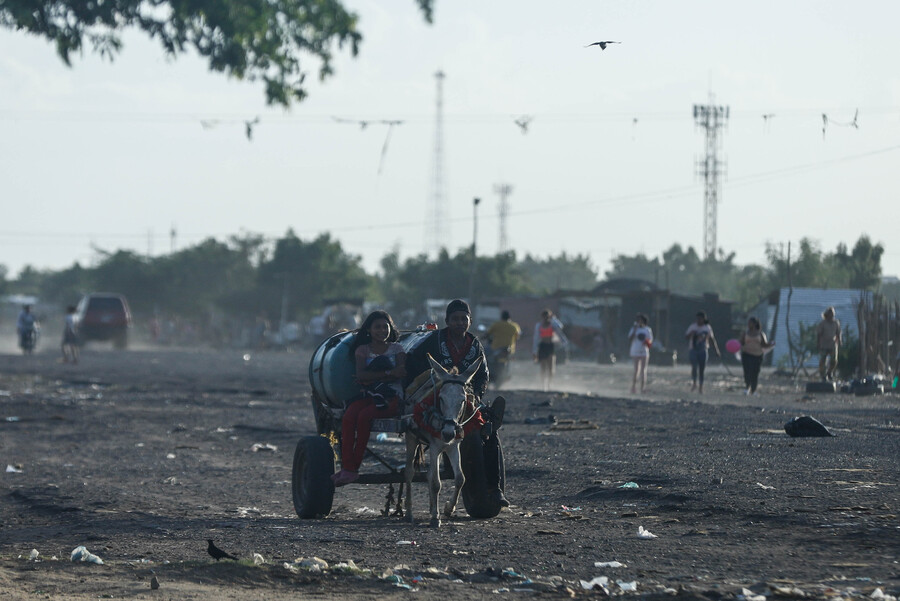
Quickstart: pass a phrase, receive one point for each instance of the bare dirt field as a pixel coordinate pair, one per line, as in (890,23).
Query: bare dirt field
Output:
(141,456)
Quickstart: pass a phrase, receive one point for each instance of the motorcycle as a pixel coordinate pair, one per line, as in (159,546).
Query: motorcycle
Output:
(498,363)
(28,339)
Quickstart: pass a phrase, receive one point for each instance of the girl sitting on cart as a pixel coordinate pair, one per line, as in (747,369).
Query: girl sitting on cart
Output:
(380,370)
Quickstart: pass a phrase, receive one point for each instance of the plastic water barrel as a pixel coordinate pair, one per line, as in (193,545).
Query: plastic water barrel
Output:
(332,368)
(331,371)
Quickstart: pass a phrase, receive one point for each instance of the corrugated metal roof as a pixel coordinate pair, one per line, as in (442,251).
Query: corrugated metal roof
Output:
(807,305)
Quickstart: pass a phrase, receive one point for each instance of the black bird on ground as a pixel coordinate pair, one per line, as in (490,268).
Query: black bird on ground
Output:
(602,44)
(218,553)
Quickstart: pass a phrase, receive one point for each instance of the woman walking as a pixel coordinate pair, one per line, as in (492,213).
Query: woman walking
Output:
(547,332)
(753,346)
(699,335)
(641,337)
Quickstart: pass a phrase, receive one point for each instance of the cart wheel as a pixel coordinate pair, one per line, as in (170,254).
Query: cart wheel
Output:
(478,503)
(311,483)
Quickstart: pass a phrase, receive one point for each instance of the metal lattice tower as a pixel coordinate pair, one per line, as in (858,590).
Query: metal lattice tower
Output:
(711,118)
(436,226)
(504,190)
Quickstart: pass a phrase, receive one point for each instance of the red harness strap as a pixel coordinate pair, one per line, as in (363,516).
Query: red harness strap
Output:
(426,406)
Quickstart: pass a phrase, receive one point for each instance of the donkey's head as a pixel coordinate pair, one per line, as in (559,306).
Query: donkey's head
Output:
(452,398)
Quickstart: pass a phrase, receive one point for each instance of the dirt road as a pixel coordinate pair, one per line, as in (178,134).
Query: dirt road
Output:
(141,456)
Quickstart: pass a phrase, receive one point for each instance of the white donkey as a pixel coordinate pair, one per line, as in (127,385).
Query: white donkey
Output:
(447,415)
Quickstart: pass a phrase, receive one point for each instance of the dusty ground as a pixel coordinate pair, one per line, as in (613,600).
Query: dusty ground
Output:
(140,456)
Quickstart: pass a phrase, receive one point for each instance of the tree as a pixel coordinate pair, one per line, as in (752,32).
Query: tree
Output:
(310,272)
(252,39)
(559,273)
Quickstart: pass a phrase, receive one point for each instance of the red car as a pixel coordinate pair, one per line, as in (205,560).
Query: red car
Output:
(102,316)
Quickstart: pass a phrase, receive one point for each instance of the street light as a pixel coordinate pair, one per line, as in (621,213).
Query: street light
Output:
(475,202)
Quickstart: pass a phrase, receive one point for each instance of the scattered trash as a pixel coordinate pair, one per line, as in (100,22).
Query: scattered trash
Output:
(258,559)
(566,508)
(385,437)
(257,447)
(171,480)
(293,568)
(629,485)
(805,425)
(81,553)
(645,533)
(748,595)
(597,584)
(367,511)
(765,487)
(313,564)
(881,596)
(13,469)
(627,587)
(33,555)
(349,567)
(609,564)
(170,456)
(247,357)
(245,512)
(12,418)
(406,542)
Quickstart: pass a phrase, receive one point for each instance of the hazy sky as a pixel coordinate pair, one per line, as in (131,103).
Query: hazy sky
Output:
(114,155)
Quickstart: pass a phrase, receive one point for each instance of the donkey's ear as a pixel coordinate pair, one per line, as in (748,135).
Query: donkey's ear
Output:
(435,365)
(467,375)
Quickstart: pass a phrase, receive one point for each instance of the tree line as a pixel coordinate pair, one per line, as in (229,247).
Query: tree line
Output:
(246,275)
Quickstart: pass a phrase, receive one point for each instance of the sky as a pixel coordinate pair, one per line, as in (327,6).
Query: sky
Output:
(119,155)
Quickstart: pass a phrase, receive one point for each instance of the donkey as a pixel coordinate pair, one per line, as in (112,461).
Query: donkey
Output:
(450,412)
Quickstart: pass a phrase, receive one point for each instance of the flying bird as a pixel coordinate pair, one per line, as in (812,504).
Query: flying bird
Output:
(602,44)
(217,553)
(523,122)
(248,127)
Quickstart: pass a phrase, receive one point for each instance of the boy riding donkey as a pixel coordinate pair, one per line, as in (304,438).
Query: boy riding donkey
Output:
(454,347)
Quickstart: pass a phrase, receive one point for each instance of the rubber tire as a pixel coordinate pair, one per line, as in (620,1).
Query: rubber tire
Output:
(475,491)
(311,485)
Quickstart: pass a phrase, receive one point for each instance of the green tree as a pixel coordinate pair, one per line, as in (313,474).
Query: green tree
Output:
(309,272)
(66,286)
(193,280)
(252,39)
(559,273)
(127,273)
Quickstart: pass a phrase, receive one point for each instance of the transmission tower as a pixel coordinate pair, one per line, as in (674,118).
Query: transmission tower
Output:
(436,226)
(711,118)
(504,190)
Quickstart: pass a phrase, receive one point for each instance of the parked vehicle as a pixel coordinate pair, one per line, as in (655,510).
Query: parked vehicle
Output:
(104,316)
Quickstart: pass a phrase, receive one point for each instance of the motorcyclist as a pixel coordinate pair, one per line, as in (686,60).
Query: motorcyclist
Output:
(503,336)
(26,327)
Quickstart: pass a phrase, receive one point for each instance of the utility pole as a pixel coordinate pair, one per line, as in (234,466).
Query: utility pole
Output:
(504,190)
(711,118)
(436,226)
(475,202)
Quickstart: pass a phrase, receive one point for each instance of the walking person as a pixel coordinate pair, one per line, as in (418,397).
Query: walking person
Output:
(699,336)
(753,346)
(828,341)
(546,334)
(70,337)
(641,337)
